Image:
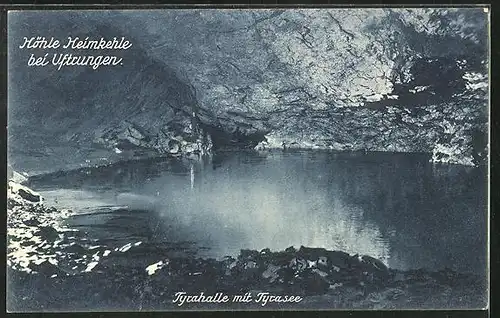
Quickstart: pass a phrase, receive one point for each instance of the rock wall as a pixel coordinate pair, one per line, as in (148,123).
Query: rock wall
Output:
(409,80)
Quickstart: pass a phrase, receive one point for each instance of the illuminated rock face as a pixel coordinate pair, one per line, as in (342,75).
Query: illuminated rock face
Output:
(409,80)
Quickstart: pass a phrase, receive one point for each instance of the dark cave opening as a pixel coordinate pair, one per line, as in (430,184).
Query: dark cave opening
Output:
(235,140)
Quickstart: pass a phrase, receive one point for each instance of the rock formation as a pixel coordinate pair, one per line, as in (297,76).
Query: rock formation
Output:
(404,80)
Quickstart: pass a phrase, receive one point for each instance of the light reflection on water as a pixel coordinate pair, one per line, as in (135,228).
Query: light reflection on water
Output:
(265,205)
(398,208)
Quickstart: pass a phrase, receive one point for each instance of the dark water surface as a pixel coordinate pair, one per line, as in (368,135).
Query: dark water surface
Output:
(396,207)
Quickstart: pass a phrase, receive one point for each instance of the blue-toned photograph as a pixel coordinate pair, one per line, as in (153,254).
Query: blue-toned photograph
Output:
(212,159)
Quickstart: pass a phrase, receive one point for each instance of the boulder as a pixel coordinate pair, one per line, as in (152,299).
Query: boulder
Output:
(46,268)
(30,196)
(47,233)
(271,273)
(374,264)
(312,283)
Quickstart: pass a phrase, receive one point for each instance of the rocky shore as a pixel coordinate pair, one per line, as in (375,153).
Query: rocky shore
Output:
(55,268)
